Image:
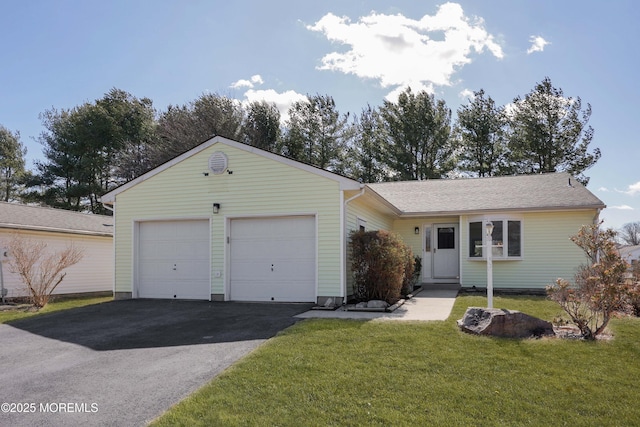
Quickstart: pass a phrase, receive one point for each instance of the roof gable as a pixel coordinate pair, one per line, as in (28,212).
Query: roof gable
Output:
(25,217)
(344,182)
(553,191)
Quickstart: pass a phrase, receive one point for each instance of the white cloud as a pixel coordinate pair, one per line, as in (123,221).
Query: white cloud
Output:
(537,44)
(398,51)
(282,100)
(603,189)
(622,207)
(632,190)
(255,80)
(240,84)
(467,94)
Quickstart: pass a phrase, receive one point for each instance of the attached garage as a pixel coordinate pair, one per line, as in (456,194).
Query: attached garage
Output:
(173,259)
(273,259)
(229,221)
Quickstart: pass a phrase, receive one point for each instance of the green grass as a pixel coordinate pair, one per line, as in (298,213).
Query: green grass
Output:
(56,305)
(349,373)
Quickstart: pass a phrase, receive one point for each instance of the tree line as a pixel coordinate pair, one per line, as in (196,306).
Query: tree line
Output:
(94,147)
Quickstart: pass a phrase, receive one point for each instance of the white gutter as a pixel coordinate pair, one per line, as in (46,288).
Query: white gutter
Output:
(343,247)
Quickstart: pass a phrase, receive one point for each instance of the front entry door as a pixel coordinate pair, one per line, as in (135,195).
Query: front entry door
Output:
(445,259)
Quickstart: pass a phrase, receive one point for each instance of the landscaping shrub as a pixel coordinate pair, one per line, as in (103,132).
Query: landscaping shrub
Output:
(382,264)
(40,270)
(600,289)
(411,272)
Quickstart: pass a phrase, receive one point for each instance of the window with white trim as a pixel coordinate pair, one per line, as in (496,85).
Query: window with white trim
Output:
(507,238)
(362,224)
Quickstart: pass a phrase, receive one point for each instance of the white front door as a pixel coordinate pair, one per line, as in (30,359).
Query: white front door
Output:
(445,251)
(440,258)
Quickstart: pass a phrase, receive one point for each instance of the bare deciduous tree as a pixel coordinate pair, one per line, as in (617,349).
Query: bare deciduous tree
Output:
(40,270)
(630,233)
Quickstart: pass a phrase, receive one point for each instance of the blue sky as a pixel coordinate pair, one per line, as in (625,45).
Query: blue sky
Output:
(63,53)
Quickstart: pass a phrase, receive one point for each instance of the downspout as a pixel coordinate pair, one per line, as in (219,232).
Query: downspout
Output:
(343,258)
(113,288)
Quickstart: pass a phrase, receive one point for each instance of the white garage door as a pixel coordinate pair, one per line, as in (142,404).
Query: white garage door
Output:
(174,259)
(273,259)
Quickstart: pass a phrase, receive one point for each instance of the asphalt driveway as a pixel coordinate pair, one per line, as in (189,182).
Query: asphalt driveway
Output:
(123,363)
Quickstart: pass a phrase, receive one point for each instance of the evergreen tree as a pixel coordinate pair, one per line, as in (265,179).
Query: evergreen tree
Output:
(87,150)
(550,133)
(418,132)
(317,134)
(262,125)
(12,165)
(368,150)
(181,128)
(481,136)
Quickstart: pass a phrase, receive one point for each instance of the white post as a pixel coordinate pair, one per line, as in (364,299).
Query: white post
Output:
(489,248)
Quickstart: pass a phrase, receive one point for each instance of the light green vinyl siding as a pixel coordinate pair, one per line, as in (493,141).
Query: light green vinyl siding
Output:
(547,252)
(365,209)
(258,186)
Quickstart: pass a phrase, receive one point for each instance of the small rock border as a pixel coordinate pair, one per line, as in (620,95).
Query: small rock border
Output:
(355,307)
(16,307)
(571,332)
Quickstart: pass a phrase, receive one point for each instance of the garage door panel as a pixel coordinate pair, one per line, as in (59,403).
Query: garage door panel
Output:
(154,270)
(286,248)
(254,229)
(249,291)
(157,250)
(174,259)
(190,250)
(273,259)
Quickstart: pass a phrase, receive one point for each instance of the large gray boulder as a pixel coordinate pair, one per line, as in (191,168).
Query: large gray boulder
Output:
(503,323)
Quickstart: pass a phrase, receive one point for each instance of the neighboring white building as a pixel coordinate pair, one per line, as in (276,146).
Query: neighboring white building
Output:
(57,227)
(631,254)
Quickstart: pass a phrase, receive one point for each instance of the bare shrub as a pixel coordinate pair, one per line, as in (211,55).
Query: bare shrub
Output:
(381,265)
(41,271)
(600,289)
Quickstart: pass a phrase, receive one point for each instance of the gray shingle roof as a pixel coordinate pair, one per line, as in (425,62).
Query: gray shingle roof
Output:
(17,216)
(523,192)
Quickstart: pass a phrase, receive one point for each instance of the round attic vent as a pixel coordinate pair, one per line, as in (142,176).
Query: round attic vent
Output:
(218,163)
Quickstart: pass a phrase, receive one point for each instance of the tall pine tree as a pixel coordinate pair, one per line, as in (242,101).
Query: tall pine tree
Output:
(550,133)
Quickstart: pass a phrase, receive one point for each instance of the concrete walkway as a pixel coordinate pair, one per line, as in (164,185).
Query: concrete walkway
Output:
(426,305)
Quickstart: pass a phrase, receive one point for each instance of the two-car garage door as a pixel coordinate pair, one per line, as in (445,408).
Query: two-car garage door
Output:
(270,259)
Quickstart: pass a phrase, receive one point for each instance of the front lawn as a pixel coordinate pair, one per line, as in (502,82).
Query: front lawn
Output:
(57,305)
(351,373)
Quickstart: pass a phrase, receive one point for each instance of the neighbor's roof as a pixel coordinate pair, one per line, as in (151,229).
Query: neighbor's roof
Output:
(626,251)
(24,217)
(524,192)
